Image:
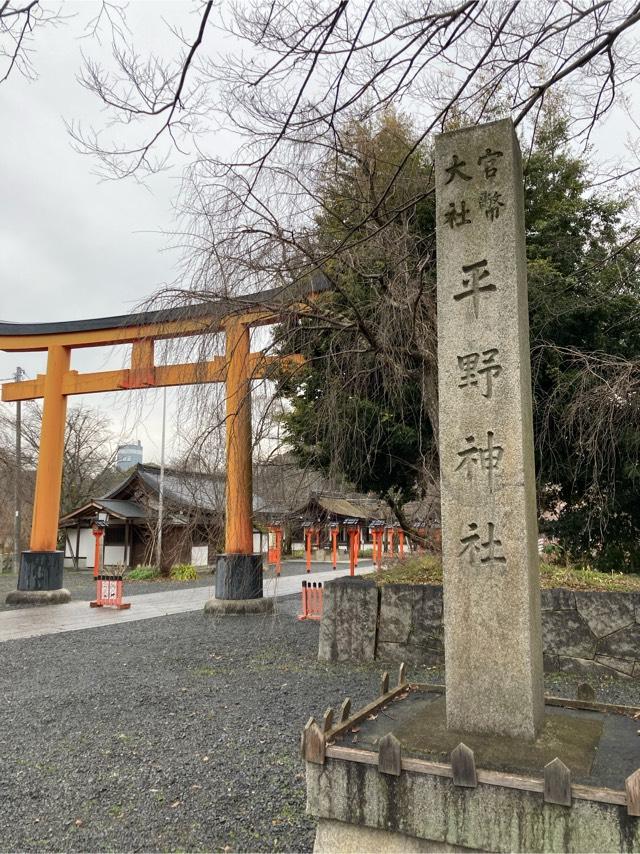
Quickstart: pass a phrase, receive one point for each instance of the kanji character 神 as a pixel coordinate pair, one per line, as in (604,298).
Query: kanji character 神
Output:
(488,459)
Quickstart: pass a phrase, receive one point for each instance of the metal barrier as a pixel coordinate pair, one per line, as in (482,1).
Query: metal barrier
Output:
(311,600)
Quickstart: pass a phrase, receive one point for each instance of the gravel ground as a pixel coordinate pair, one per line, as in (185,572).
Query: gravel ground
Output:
(177,733)
(83,587)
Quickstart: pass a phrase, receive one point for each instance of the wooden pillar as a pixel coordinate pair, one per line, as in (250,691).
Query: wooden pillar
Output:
(239,510)
(46,504)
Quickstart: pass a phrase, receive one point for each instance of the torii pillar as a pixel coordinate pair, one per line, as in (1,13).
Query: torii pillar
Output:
(41,568)
(239,570)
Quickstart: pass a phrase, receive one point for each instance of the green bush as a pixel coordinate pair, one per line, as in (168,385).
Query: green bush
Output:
(143,573)
(183,572)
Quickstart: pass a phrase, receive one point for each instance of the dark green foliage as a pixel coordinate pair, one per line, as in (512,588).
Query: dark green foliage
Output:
(367,403)
(584,301)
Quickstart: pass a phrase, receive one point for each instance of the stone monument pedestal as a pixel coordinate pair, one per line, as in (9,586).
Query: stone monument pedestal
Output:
(391,777)
(238,586)
(40,580)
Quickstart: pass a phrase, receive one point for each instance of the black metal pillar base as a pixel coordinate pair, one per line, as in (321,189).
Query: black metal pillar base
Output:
(239,577)
(40,580)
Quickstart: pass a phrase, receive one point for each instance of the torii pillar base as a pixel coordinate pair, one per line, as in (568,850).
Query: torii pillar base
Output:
(40,580)
(239,586)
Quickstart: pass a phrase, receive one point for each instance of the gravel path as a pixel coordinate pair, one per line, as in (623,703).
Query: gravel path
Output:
(178,733)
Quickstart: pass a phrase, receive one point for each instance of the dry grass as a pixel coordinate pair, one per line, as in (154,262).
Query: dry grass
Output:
(427,569)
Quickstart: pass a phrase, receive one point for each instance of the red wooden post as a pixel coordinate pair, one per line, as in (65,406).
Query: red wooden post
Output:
(334,546)
(308,532)
(279,534)
(352,551)
(97,553)
(401,542)
(275,547)
(377,533)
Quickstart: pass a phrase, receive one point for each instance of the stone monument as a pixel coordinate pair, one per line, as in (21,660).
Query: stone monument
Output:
(493,646)
(482,763)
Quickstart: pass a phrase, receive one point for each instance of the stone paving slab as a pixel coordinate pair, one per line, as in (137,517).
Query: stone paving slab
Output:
(75,616)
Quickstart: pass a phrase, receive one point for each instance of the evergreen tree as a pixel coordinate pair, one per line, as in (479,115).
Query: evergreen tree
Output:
(366,404)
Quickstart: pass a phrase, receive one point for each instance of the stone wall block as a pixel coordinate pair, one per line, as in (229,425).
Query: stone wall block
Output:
(558,599)
(349,623)
(414,656)
(621,644)
(582,667)
(565,633)
(605,613)
(621,665)
(426,619)
(396,609)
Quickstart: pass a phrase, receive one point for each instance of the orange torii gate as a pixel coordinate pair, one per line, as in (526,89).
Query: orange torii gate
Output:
(239,571)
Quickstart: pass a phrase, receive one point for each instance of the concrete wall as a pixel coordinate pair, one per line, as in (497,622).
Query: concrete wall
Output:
(200,555)
(583,632)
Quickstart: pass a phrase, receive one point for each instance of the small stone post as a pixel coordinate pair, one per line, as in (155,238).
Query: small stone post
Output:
(492,621)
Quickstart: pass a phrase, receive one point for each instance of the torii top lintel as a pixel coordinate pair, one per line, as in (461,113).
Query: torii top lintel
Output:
(252,309)
(142,330)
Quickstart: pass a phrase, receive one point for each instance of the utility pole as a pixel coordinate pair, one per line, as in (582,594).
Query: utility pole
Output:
(17,481)
(161,485)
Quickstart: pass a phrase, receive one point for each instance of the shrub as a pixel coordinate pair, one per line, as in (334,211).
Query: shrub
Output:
(143,573)
(183,572)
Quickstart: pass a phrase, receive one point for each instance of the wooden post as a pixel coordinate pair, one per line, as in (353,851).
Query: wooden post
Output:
(463,766)
(557,783)
(314,745)
(46,504)
(402,674)
(585,692)
(307,548)
(632,788)
(384,683)
(239,511)
(390,755)
(345,710)
(327,720)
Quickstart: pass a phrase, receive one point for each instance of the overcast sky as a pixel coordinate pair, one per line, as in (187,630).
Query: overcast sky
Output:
(72,246)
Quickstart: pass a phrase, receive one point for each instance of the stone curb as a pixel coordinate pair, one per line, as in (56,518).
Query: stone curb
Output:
(238,607)
(38,597)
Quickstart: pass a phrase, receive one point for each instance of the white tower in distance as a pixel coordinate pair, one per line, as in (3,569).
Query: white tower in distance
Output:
(128,455)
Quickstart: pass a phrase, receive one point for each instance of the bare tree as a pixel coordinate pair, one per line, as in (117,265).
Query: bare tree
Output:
(20,21)
(300,77)
(89,454)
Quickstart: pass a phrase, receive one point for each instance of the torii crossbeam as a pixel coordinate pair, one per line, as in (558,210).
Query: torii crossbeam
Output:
(239,572)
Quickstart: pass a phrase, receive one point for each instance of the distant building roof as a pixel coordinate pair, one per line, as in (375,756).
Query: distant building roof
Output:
(125,510)
(190,490)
